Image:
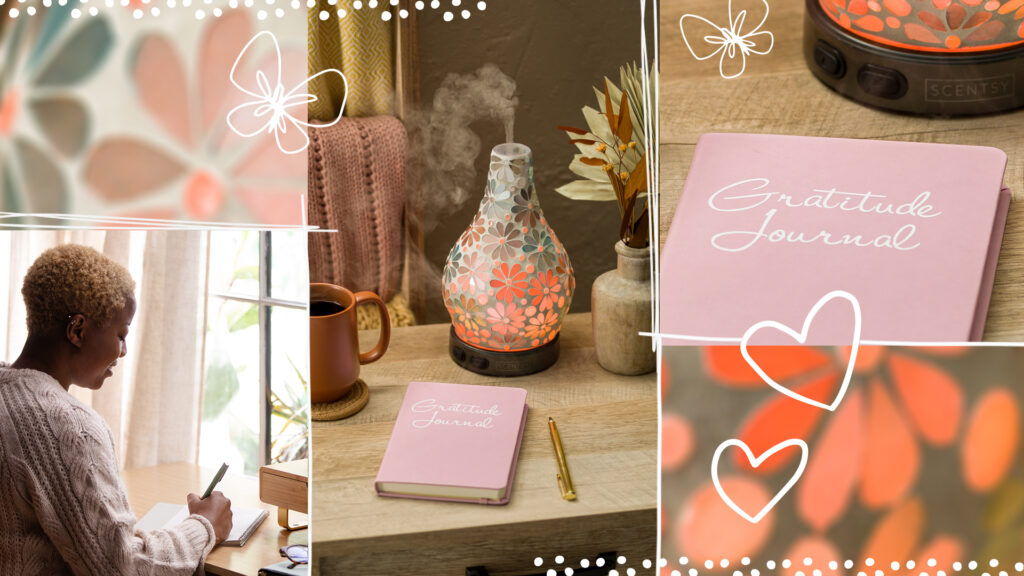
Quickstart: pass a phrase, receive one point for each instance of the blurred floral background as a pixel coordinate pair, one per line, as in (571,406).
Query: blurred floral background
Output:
(122,112)
(920,462)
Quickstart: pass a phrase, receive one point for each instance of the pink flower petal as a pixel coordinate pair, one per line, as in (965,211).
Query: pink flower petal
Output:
(222,42)
(119,169)
(160,80)
(272,205)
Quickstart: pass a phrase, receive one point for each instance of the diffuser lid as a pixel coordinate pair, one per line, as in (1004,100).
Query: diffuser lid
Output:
(943,26)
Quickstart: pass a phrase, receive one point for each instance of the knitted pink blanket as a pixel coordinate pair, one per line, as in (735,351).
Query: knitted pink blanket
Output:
(357,187)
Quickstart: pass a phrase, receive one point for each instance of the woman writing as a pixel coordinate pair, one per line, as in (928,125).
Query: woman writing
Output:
(63,507)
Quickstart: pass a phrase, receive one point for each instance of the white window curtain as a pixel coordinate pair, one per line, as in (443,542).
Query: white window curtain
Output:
(153,402)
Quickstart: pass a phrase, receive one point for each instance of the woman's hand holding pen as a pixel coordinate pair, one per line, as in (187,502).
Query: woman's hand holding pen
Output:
(216,509)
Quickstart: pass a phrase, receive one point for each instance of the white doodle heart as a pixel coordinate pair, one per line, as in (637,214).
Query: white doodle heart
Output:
(802,339)
(755,462)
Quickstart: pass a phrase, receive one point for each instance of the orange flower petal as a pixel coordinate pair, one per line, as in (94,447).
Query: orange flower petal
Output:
(677,441)
(727,365)
(708,529)
(870,23)
(823,493)
(932,397)
(892,458)
(943,350)
(867,357)
(990,440)
(1011,6)
(819,549)
(944,550)
(897,7)
(896,535)
(782,418)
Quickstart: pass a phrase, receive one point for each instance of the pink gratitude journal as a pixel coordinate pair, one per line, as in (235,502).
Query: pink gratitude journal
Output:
(454,442)
(768,225)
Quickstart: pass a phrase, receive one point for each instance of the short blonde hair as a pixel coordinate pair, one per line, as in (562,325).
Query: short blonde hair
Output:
(74,279)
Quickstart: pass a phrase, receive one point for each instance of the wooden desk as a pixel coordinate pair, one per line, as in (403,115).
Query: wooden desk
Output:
(172,482)
(609,427)
(778,94)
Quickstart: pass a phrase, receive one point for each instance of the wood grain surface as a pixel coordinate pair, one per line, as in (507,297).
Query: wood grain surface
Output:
(778,94)
(609,428)
(286,485)
(172,482)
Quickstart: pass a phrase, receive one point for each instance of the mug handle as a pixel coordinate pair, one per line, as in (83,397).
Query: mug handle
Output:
(385,327)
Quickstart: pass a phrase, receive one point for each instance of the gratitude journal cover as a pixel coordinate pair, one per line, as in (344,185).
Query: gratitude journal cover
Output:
(769,224)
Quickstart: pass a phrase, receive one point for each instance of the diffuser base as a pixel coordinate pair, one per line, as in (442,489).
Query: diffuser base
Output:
(493,363)
(915,82)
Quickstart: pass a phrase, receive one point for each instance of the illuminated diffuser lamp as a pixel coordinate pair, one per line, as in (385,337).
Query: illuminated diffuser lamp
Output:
(507,282)
(935,57)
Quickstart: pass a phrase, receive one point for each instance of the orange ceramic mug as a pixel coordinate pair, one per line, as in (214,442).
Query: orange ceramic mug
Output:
(334,356)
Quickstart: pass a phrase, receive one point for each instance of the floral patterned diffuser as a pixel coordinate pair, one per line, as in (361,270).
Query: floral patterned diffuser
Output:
(507,282)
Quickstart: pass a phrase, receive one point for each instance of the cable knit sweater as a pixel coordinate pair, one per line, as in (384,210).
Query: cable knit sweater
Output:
(63,508)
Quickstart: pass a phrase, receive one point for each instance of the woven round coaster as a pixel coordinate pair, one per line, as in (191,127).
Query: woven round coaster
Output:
(352,402)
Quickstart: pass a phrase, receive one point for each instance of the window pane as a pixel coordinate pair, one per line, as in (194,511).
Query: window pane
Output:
(232,395)
(289,267)
(235,262)
(289,367)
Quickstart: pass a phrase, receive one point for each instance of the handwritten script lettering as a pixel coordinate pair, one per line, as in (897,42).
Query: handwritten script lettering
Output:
(754,193)
(455,414)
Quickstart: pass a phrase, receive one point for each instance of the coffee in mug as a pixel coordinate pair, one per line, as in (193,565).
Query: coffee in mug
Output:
(334,352)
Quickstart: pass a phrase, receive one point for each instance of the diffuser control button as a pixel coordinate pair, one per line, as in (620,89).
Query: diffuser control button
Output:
(829,60)
(882,82)
(479,362)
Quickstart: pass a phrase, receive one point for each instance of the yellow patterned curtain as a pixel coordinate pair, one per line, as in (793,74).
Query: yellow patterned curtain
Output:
(360,45)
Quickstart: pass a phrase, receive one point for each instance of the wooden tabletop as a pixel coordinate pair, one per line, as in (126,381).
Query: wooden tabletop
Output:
(778,94)
(609,428)
(172,482)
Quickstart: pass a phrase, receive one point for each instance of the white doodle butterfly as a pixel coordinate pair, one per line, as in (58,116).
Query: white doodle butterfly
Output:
(733,45)
(272,110)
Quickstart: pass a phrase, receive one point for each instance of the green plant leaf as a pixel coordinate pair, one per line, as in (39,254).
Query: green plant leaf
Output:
(1004,507)
(238,322)
(251,272)
(588,190)
(246,441)
(219,389)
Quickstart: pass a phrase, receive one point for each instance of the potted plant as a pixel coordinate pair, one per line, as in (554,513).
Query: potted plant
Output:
(612,162)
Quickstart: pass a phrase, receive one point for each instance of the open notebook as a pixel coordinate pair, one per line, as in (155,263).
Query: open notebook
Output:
(245,521)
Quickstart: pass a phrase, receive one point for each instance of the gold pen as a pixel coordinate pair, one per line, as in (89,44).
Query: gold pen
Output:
(564,478)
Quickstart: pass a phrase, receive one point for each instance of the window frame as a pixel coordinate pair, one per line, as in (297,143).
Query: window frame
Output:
(264,302)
